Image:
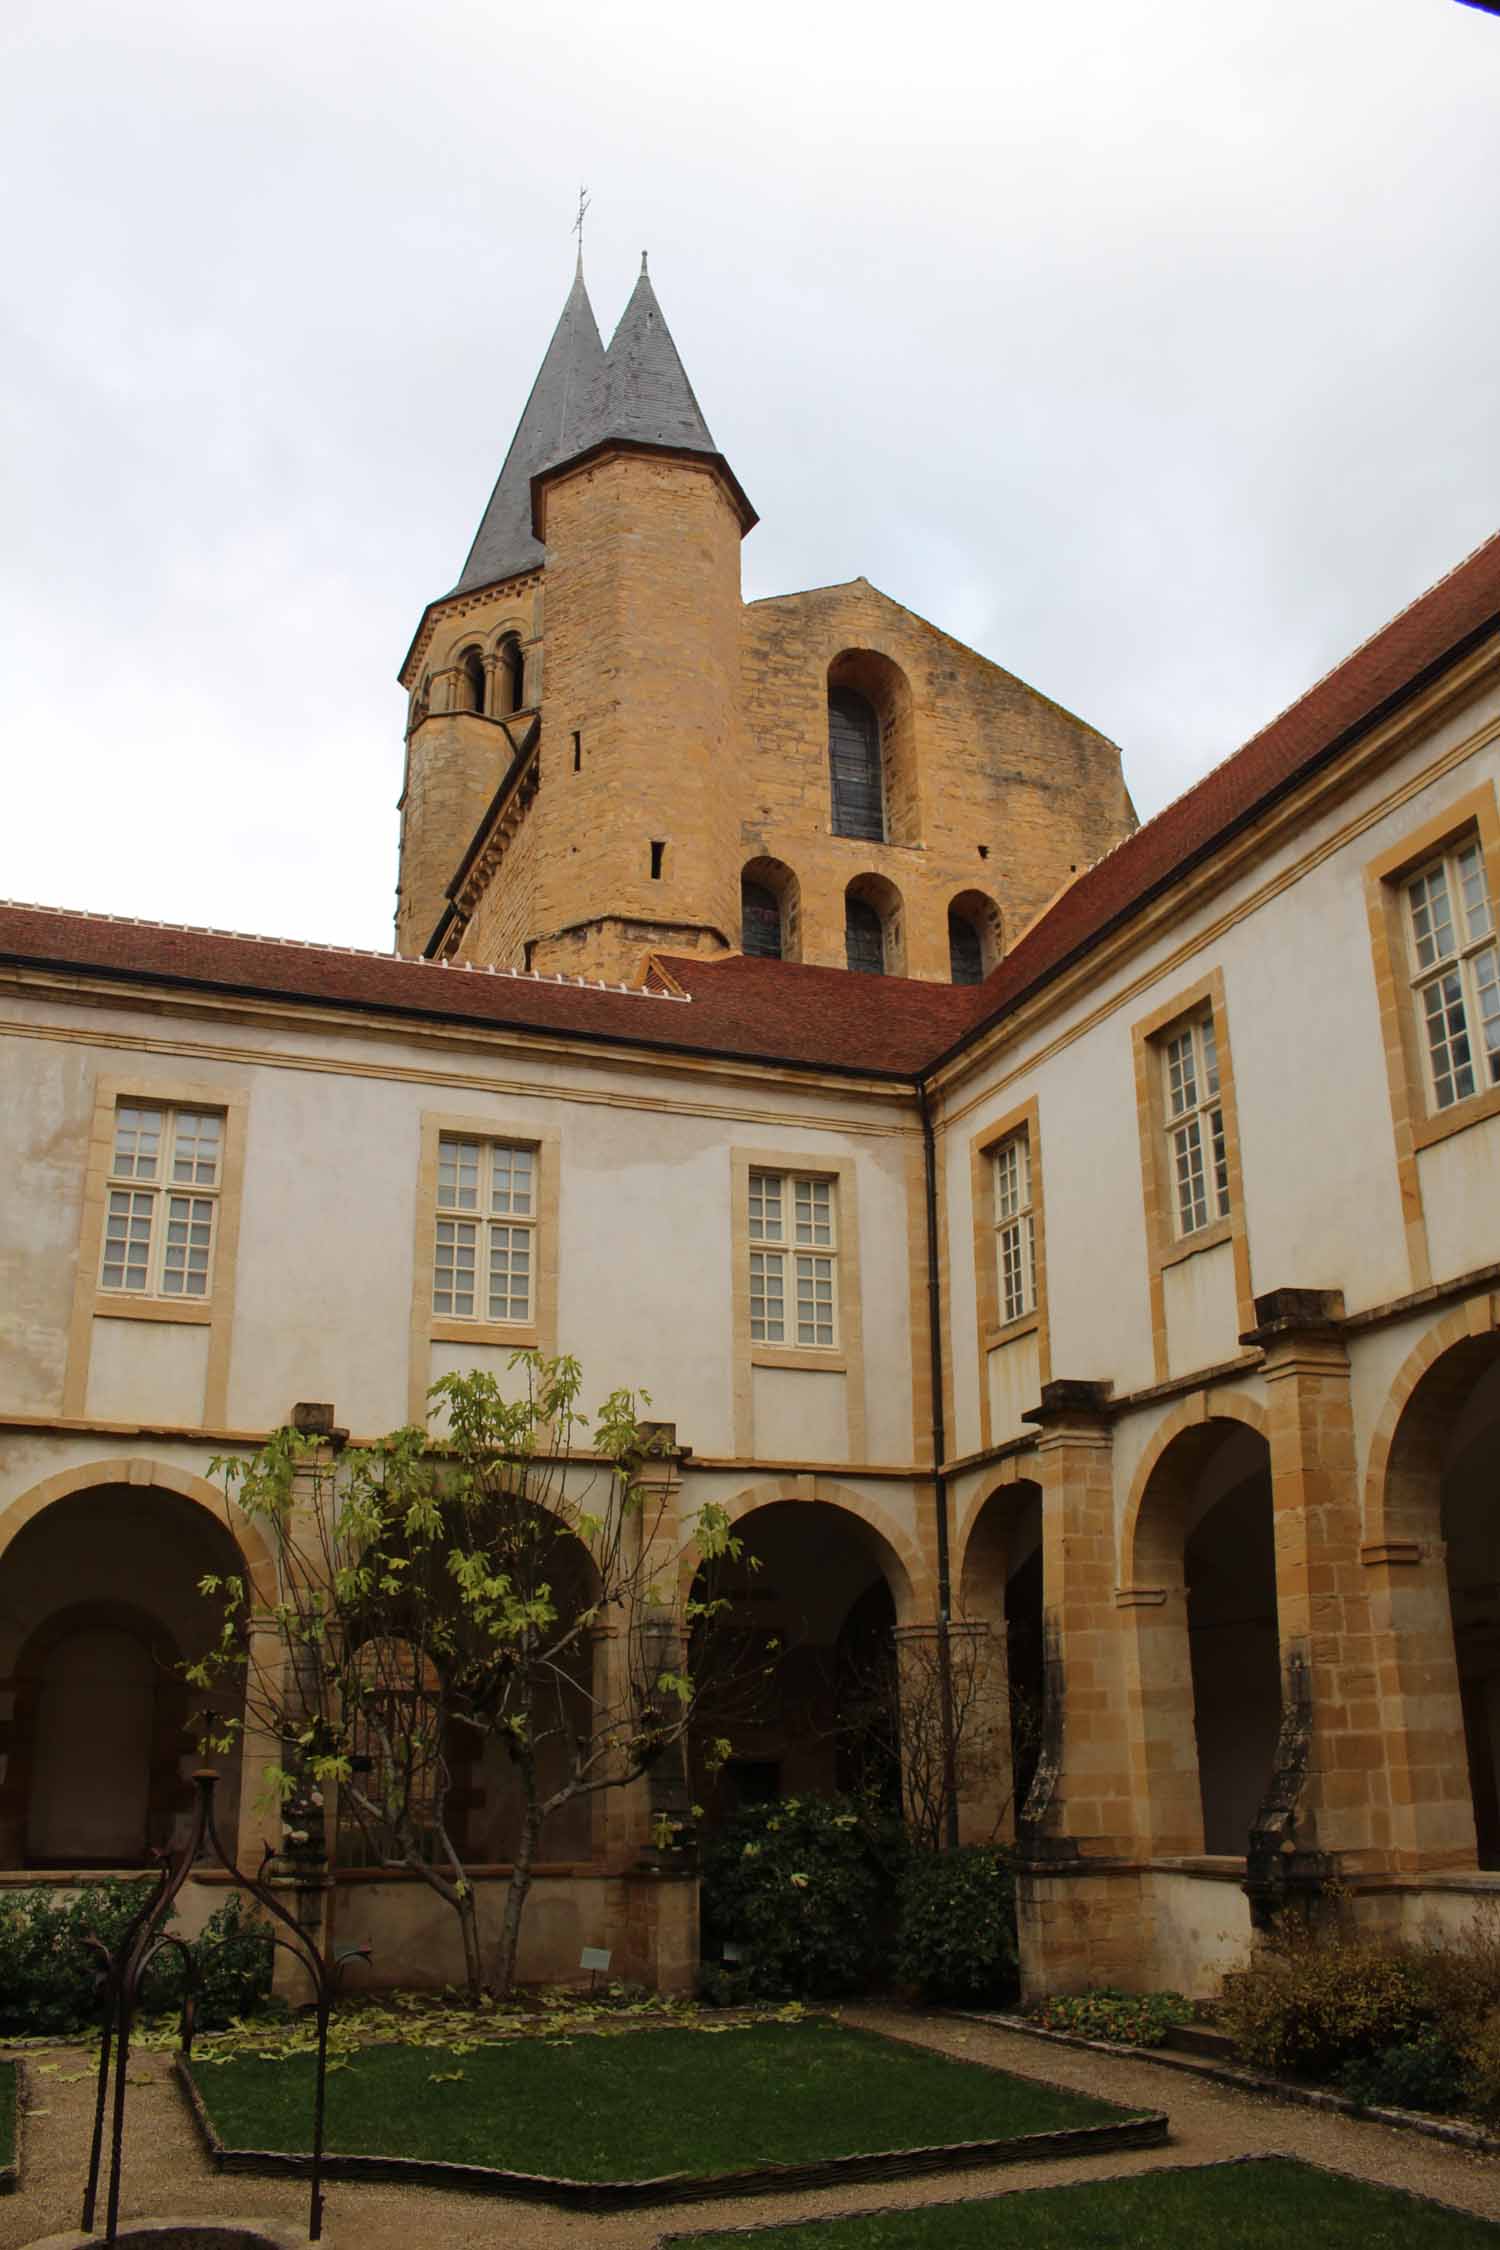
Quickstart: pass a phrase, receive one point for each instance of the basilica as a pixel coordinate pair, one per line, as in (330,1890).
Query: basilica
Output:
(1068,1244)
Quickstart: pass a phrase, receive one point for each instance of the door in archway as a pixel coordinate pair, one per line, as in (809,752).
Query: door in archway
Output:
(92,1760)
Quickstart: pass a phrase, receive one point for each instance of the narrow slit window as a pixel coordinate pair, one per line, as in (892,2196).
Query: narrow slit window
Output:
(855,783)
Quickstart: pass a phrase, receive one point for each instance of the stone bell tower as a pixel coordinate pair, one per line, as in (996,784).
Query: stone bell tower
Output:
(575,742)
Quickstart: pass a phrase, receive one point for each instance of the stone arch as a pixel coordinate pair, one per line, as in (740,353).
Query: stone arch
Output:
(471,681)
(872,901)
(1432,1547)
(779,893)
(1198,1586)
(998,1653)
(975,936)
(259,1564)
(900,1559)
(884,688)
(510,674)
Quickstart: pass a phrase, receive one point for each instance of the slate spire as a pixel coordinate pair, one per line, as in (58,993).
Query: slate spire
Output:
(647,394)
(561,419)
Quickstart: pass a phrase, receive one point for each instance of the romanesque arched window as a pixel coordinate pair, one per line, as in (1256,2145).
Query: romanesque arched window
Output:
(974,937)
(471,682)
(512,675)
(864,938)
(760,920)
(854,766)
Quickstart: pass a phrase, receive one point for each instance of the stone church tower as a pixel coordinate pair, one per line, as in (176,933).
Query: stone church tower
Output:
(611,755)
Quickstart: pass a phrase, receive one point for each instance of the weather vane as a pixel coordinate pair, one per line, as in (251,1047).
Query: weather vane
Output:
(583,204)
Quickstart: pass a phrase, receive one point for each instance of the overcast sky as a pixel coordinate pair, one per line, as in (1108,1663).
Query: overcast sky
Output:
(1151,347)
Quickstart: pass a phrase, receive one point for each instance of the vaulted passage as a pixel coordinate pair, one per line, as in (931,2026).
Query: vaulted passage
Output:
(1206,1642)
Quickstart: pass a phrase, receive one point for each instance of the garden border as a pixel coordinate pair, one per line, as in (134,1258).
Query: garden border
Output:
(1452,2130)
(1104,2179)
(1147,2131)
(10,2174)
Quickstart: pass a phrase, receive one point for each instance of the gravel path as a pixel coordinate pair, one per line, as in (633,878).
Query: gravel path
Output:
(166,2170)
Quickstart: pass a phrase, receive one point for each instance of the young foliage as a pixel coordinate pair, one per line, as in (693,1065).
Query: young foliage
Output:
(512,1581)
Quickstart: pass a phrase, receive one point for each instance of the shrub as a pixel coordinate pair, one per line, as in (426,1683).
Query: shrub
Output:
(956,1939)
(1130,2019)
(49,1976)
(1425,2073)
(799,1886)
(1481,2051)
(1317,1999)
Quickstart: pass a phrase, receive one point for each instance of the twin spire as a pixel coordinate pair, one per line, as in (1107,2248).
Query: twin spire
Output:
(582,395)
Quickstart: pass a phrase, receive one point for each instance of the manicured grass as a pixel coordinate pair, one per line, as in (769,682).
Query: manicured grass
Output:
(7,2114)
(1261,2206)
(639,2104)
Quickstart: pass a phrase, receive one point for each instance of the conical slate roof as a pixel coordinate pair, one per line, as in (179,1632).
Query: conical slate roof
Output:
(647,394)
(561,418)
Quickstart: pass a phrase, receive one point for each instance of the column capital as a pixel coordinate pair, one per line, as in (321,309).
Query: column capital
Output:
(1285,1313)
(1070,1400)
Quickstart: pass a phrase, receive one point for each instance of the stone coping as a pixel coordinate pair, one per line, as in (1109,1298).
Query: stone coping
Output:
(1144,2131)
(1454,2131)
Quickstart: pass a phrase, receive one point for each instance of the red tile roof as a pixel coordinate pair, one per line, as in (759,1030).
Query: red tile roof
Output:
(775,1011)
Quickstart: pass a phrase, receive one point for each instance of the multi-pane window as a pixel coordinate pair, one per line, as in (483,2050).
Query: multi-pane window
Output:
(1197,1156)
(484,1250)
(793,1260)
(1015,1228)
(166,1166)
(1455,974)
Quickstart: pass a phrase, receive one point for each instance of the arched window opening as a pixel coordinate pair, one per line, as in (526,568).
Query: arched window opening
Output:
(760,921)
(994,1687)
(974,941)
(471,681)
(965,954)
(854,766)
(512,675)
(864,939)
(770,914)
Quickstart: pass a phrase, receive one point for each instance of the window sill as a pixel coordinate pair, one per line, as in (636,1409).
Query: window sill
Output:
(1206,1238)
(521,1335)
(1445,1122)
(183,1312)
(825,1360)
(1011,1331)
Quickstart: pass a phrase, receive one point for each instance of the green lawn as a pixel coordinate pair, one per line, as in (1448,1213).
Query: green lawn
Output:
(7,2114)
(1262,2206)
(639,2104)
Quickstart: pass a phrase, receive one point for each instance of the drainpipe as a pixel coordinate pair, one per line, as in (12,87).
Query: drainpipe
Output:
(939,1476)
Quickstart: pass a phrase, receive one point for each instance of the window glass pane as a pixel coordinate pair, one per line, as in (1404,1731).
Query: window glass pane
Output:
(1221,1161)
(760,921)
(137,1141)
(814,1300)
(864,939)
(1431,920)
(1017,1268)
(1477,919)
(455,1258)
(854,766)
(1012,1177)
(765,1207)
(510,1273)
(195,1148)
(812,1212)
(1192,1194)
(965,952)
(127,1240)
(458,1174)
(1210,1057)
(512,1181)
(1182,1074)
(1448,1039)
(190,1221)
(1487,987)
(767,1298)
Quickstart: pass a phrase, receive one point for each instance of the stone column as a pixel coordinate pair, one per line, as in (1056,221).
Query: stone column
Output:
(1328,1804)
(1079,1908)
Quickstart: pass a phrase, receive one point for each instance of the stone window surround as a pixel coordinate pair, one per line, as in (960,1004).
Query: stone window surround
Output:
(429,1328)
(1164,1245)
(994,1333)
(214,1311)
(1414,1125)
(847,1357)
